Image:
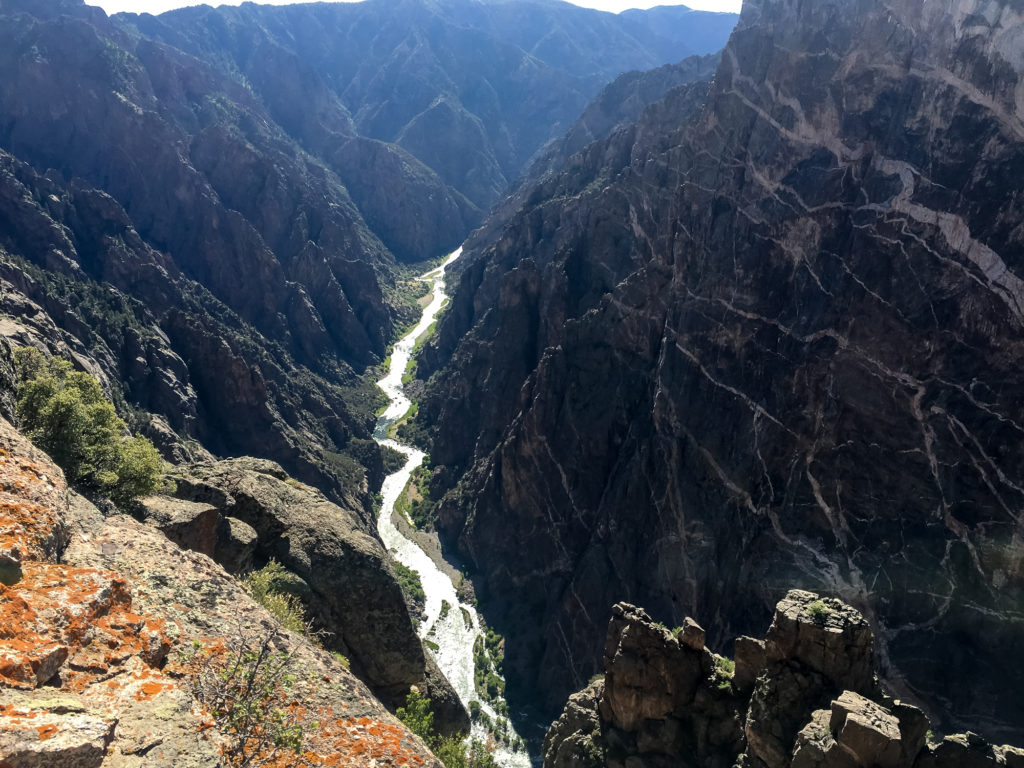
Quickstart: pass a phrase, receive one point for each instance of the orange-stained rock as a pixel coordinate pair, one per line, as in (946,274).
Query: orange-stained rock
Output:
(52,730)
(83,615)
(33,497)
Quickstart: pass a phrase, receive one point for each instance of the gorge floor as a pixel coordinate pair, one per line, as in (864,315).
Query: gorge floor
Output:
(452,625)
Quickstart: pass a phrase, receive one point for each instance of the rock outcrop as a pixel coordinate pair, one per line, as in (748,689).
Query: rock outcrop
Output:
(665,700)
(245,512)
(769,342)
(95,648)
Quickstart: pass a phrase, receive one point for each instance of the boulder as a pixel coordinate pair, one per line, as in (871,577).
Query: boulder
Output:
(186,523)
(824,635)
(57,730)
(692,634)
(236,543)
(648,674)
(866,730)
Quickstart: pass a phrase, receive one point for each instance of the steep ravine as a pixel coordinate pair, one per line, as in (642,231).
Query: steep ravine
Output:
(455,630)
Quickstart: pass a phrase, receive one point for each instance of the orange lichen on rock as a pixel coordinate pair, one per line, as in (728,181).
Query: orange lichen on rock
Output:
(83,616)
(335,742)
(31,495)
(25,529)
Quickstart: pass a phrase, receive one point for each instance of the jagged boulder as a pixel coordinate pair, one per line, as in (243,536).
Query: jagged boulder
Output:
(575,740)
(826,636)
(649,674)
(854,732)
(662,696)
(186,523)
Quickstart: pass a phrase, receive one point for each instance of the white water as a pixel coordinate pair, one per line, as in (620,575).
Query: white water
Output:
(453,634)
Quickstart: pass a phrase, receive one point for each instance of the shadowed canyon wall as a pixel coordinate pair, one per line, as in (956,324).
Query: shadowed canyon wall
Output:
(766,340)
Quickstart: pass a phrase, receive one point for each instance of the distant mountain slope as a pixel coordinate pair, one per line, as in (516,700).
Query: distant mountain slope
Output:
(772,341)
(472,89)
(209,184)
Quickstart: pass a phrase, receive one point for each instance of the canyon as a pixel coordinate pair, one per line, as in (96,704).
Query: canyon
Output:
(714,315)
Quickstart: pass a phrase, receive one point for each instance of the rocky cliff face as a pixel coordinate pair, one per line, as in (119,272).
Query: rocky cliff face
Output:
(804,697)
(772,342)
(102,619)
(79,280)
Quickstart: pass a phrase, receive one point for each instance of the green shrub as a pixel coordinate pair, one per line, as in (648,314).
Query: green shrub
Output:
(262,585)
(417,717)
(452,751)
(409,581)
(342,659)
(65,413)
(495,685)
(722,677)
(819,612)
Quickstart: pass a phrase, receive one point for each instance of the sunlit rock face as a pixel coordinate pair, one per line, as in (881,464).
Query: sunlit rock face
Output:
(766,342)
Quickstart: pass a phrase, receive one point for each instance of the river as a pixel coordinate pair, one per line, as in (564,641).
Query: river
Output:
(456,631)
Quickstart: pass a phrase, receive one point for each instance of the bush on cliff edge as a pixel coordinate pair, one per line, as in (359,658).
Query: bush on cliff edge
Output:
(65,413)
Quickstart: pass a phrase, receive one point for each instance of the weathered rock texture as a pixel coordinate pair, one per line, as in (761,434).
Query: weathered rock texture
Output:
(816,703)
(772,342)
(91,671)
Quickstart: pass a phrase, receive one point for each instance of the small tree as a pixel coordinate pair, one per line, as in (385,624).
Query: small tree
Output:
(65,413)
(418,718)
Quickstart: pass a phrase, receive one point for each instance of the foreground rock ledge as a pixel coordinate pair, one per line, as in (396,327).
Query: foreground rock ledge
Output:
(807,696)
(91,674)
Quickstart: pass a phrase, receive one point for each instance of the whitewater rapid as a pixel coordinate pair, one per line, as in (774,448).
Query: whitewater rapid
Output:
(457,631)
